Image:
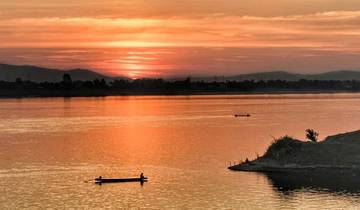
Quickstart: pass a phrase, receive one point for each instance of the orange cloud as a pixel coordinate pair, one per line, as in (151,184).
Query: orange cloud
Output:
(220,43)
(338,29)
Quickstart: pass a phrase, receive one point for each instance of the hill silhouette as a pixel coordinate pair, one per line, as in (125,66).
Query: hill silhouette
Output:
(39,74)
(287,76)
(336,75)
(274,75)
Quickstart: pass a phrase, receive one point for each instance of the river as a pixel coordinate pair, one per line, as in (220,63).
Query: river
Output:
(49,147)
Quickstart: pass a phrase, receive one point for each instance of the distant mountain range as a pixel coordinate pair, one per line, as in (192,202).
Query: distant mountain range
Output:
(283,75)
(39,74)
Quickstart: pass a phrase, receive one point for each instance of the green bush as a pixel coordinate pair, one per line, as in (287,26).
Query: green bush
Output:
(282,148)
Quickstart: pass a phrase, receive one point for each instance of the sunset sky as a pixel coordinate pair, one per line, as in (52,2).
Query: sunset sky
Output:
(162,38)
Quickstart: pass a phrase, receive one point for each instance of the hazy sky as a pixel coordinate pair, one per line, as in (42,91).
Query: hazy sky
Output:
(140,38)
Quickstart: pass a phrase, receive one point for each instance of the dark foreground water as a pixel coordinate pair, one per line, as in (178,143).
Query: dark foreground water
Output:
(49,147)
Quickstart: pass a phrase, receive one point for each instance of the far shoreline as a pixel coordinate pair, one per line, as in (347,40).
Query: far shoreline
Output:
(80,94)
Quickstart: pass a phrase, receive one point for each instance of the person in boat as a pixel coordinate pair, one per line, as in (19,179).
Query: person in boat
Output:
(142,176)
(100,177)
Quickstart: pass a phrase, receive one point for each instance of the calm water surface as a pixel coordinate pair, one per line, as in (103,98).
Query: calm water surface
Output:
(49,147)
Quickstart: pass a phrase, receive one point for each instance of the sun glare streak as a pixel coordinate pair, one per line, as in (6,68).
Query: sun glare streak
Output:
(135,44)
(140,58)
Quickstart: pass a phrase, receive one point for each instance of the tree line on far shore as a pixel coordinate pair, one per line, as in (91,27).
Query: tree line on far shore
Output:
(187,85)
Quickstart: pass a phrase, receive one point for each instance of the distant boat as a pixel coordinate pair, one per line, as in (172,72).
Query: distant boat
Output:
(101,180)
(242,115)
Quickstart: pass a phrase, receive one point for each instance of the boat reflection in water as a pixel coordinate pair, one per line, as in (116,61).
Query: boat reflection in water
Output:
(328,181)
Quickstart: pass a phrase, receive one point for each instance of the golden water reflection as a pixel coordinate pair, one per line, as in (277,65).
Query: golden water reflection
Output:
(48,147)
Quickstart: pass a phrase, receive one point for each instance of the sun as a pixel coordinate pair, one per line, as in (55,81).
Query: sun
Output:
(133,75)
(134,70)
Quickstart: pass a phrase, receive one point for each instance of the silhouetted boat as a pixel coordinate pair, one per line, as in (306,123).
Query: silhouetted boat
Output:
(242,115)
(100,181)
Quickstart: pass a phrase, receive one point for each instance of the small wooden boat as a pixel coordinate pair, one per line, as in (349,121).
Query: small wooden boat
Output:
(101,180)
(242,115)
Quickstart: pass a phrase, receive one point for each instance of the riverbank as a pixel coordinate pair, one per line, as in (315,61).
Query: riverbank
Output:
(14,93)
(336,153)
